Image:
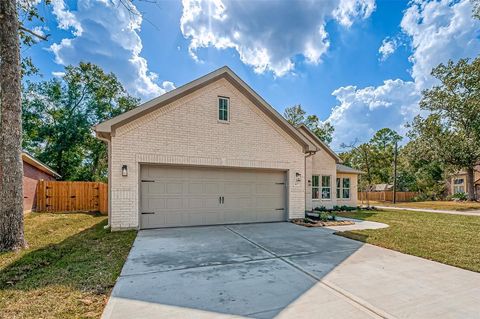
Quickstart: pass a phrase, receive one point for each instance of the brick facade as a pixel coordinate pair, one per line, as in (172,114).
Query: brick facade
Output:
(31,176)
(187,132)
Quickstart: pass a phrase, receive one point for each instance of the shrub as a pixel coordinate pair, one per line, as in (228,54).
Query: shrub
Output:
(320,209)
(323,216)
(460,196)
(333,216)
(423,197)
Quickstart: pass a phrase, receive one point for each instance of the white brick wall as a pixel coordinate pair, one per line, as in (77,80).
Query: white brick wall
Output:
(353,201)
(187,132)
(321,164)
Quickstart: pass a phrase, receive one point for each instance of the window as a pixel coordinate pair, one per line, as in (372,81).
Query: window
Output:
(343,188)
(346,188)
(339,188)
(223,108)
(326,187)
(323,188)
(315,187)
(458,186)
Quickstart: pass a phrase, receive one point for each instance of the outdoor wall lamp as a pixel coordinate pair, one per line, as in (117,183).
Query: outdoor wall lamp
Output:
(298,177)
(124,170)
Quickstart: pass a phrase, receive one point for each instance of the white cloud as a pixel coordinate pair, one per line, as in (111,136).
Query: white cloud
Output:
(438,31)
(362,112)
(58,74)
(387,48)
(260,33)
(348,10)
(65,18)
(106,33)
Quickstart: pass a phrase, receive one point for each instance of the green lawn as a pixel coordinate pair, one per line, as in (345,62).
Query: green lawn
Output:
(449,239)
(67,271)
(442,205)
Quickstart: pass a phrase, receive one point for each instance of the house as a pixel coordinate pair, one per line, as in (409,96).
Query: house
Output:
(33,171)
(215,152)
(381,187)
(458,182)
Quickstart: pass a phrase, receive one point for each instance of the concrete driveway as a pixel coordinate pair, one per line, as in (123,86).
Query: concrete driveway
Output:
(283,270)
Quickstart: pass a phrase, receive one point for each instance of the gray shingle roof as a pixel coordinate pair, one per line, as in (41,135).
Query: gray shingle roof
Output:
(346,169)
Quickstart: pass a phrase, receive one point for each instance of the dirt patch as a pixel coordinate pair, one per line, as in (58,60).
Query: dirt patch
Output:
(307,222)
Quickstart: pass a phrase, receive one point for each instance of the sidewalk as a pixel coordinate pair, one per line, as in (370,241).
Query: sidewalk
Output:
(359,225)
(438,211)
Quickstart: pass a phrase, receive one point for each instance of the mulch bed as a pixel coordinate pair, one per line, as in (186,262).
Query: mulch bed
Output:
(307,222)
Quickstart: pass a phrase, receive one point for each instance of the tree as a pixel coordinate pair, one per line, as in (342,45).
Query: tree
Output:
(295,115)
(420,173)
(450,133)
(476,8)
(383,148)
(59,115)
(11,188)
(360,157)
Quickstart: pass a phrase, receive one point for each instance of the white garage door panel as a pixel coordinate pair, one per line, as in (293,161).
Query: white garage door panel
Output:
(173,196)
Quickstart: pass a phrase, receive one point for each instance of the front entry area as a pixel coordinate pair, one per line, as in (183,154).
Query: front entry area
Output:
(190,196)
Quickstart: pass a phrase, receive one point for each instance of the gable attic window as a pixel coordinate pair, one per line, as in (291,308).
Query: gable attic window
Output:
(223,109)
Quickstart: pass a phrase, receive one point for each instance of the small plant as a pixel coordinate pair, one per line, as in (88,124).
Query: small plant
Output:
(320,209)
(333,215)
(323,216)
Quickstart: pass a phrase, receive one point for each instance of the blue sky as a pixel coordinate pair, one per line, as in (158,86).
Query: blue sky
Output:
(359,64)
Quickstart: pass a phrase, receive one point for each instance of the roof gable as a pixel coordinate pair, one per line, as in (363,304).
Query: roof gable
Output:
(318,142)
(107,128)
(27,158)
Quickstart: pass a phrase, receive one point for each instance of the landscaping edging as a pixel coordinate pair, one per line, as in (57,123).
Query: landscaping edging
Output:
(306,222)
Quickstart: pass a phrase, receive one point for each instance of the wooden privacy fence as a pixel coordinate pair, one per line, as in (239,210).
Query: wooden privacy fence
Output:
(386,196)
(53,196)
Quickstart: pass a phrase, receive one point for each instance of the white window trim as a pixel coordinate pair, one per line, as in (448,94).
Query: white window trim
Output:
(349,188)
(322,187)
(459,185)
(341,188)
(319,187)
(228,109)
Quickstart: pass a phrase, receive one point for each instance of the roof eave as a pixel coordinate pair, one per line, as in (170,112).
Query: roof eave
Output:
(39,165)
(320,143)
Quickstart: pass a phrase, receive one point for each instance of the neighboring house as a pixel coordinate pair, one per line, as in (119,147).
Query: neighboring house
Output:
(33,171)
(458,182)
(381,187)
(214,152)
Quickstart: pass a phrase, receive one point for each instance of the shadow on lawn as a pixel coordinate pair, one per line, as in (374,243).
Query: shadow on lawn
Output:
(353,235)
(89,260)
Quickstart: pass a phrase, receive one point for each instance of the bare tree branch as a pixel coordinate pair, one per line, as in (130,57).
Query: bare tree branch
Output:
(44,38)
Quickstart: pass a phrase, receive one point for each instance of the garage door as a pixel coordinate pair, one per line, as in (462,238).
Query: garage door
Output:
(186,196)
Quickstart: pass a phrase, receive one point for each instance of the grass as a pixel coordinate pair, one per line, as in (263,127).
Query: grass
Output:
(442,205)
(449,239)
(67,271)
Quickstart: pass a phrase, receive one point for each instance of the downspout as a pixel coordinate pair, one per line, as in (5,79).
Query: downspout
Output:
(109,200)
(309,153)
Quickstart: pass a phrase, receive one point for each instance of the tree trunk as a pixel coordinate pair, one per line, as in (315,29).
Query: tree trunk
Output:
(471,183)
(11,167)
